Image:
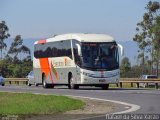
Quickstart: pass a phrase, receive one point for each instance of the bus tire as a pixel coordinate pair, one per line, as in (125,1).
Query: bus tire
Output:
(71,85)
(45,85)
(51,86)
(105,87)
(36,84)
(29,84)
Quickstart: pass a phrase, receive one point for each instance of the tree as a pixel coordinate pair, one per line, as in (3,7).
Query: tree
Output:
(125,67)
(8,67)
(17,48)
(3,68)
(12,65)
(148,31)
(156,41)
(3,35)
(136,71)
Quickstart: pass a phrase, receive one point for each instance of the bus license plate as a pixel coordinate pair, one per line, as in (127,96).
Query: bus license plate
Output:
(102,80)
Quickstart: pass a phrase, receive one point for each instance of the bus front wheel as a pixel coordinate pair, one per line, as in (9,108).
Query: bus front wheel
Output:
(105,87)
(71,85)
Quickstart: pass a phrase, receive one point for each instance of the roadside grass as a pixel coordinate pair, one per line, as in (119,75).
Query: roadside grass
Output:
(27,103)
(125,85)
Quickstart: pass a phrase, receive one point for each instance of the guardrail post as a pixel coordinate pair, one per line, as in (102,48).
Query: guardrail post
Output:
(120,84)
(117,85)
(137,85)
(131,84)
(26,82)
(156,85)
(147,84)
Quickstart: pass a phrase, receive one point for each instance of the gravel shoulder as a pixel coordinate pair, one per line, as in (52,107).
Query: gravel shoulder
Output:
(92,108)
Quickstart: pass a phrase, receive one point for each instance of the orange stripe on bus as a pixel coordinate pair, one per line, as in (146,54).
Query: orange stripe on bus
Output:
(44,65)
(54,71)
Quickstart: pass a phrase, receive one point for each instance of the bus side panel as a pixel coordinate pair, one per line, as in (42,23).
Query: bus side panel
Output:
(60,69)
(63,75)
(37,75)
(37,71)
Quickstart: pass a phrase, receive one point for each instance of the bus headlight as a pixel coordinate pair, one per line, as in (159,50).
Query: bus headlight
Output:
(87,74)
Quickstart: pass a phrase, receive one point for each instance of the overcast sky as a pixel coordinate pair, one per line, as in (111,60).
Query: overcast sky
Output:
(44,18)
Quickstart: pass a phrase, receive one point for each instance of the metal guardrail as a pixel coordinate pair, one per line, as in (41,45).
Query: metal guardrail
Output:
(137,81)
(132,81)
(16,80)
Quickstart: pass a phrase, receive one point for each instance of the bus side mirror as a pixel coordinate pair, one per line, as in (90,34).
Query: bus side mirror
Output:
(121,49)
(79,49)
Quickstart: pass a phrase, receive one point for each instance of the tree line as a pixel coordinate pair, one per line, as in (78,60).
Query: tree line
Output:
(135,71)
(148,38)
(16,62)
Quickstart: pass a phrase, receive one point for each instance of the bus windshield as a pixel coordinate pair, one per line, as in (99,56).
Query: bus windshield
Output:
(100,56)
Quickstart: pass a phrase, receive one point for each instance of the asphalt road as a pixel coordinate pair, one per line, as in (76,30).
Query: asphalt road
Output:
(146,101)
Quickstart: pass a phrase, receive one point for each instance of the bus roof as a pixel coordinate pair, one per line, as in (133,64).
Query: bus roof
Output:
(81,37)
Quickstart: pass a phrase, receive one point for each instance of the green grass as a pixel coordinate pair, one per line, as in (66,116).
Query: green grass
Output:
(27,103)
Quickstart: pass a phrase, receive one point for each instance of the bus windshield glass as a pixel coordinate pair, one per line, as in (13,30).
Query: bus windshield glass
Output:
(100,56)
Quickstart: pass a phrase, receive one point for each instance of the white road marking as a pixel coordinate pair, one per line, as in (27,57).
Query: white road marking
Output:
(133,107)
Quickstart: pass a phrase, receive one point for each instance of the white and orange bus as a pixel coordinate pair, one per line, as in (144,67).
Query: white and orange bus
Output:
(75,60)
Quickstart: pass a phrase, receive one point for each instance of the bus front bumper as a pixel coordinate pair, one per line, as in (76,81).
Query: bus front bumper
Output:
(90,80)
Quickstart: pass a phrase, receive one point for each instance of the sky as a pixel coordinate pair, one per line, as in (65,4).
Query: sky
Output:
(45,18)
(40,19)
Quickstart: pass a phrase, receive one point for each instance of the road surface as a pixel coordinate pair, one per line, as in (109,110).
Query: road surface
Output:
(146,101)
